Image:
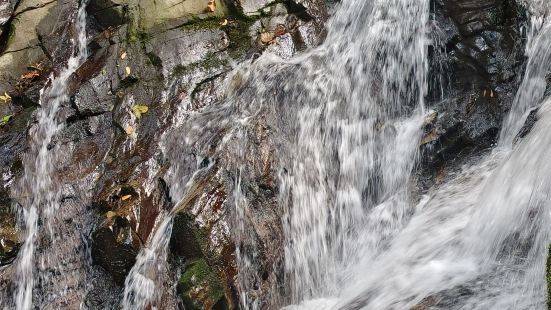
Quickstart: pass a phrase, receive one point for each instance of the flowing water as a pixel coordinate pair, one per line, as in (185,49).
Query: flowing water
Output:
(39,189)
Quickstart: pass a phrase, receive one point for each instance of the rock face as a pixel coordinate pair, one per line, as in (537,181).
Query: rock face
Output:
(156,66)
(151,65)
(480,50)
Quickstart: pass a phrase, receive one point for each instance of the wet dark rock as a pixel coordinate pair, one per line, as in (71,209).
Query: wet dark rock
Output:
(108,13)
(481,51)
(110,251)
(528,125)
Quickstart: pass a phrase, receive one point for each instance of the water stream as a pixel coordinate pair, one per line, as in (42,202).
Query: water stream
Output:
(39,188)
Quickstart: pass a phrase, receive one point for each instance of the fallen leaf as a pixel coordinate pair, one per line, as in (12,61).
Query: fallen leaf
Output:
(110,214)
(30,75)
(211,6)
(123,55)
(127,70)
(5,119)
(126,197)
(139,110)
(224,23)
(429,137)
(266,37)
(129,130)
(5,98)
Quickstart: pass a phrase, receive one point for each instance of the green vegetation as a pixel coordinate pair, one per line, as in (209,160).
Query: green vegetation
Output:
(199,286)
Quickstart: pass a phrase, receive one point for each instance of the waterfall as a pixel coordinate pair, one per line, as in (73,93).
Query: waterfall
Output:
(39,189)
(532,90)
(479,241)
(347,190)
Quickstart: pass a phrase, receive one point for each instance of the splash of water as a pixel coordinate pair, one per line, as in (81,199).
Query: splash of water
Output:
(38,187)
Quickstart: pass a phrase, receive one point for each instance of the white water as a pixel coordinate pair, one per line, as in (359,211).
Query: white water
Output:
(477,242)
(39,189)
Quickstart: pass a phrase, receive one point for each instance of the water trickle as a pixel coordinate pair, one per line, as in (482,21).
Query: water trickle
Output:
(38,187)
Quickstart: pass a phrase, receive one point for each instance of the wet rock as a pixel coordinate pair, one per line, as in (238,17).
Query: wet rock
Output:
(200,288)
(481,52)
(112,251)
(10,239)
(528,125)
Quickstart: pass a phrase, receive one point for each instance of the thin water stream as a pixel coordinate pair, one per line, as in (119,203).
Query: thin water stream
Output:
(38,187)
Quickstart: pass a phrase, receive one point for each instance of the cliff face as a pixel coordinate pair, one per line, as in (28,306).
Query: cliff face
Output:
(129,140)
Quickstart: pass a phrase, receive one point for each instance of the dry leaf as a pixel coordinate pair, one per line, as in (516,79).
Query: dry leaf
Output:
(491,93)
(126,197)
(127,69)
(211,6)
(139,110)
(123,55)
(266,37)
(129,130)
(224,23)
(430,137)
(30,75)
(5,98)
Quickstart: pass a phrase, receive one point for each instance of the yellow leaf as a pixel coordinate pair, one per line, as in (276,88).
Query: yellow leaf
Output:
(139,110)
(129,130)
(127,70)
(5,98)
(110,214)
(224,23)
(123,55)
(125,197)
(211,6)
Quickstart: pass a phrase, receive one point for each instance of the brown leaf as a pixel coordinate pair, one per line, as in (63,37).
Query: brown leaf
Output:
(211,6)
(129,130)
(266,37)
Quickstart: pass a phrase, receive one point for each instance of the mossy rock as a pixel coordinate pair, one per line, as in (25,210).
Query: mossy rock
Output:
(200,288)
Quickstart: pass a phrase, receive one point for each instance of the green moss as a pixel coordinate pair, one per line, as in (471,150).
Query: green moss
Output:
(548,278)
(240,40)
(154,60)
(198,24)
(199,286)
(211,61)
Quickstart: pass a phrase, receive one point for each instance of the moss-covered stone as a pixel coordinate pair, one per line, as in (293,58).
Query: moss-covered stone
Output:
(199,287)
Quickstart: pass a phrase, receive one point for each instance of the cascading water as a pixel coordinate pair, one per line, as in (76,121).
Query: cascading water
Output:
(38,187)
(347,189)
(477,242)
